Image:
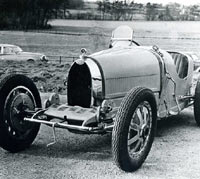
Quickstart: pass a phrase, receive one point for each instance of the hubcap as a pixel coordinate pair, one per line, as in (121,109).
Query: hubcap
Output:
(140,127)
(17,102)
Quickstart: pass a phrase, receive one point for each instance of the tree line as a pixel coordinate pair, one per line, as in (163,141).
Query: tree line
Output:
(32,14)
(121,10)
(35,14)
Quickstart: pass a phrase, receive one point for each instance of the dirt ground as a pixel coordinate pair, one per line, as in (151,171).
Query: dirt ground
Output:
(175,154)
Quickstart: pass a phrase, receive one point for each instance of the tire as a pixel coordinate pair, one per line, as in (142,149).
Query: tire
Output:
(17,93)
(133,135)
(197,103)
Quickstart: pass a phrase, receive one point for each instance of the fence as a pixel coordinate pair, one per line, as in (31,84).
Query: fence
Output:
(61,58)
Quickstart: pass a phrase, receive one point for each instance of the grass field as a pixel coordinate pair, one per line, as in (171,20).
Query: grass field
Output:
(66,38)
(95,36)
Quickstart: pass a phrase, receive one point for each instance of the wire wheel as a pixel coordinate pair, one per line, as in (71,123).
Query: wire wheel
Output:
(134,129)
(139,130)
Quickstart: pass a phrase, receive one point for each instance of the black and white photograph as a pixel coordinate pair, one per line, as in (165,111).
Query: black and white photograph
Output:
(104,89)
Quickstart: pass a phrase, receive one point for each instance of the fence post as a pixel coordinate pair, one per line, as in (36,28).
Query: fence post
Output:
(60,59)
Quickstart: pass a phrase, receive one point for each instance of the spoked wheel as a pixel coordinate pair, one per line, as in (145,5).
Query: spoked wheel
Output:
(134,129)
(139,129)
(18,96)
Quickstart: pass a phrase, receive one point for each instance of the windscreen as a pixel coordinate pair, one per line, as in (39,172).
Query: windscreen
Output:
(122,32)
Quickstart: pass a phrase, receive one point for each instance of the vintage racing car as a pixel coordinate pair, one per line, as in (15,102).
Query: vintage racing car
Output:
(123,90)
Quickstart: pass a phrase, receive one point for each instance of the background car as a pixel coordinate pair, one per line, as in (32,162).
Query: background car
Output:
(13,52)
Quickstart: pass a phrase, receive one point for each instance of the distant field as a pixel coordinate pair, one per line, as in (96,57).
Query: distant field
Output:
(50,44)
(69,36)
(95,36)
(168,35)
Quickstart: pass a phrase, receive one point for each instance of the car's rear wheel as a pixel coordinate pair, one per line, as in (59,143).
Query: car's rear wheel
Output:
(197,103)
(134,129)
(18,94)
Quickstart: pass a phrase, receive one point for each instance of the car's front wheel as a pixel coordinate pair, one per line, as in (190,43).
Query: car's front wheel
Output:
(134,129)
(18,94)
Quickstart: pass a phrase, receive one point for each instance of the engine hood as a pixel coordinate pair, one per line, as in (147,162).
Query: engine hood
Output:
(126,67)
(126,62)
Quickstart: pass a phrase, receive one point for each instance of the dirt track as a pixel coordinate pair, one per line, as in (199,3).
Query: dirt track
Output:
(175,154)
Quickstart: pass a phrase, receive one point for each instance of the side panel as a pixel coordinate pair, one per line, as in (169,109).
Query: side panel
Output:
(174,87)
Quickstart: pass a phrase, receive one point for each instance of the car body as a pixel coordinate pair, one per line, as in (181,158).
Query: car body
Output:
(13,52)
(124,90)
(196,58)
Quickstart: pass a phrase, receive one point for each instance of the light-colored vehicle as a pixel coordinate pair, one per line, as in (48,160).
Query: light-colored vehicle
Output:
(124,90)
(13,52)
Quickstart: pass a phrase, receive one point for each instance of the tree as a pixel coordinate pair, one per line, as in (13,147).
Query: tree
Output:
(104,7)
(26,14)
(119,9)
(116,9)
(151,11)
